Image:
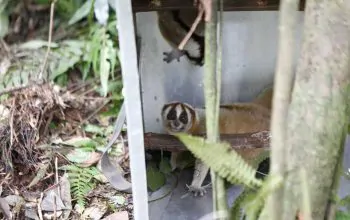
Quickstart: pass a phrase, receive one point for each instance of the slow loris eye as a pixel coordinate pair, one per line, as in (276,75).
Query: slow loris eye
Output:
(171,115)
(183,118)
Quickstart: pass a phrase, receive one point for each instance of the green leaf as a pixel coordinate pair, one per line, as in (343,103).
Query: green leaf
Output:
(222,159)
(101,8)
(155,179)
(3,5)
(104,70)
(84,142)
(79,155)
(112,3)
(4,24)
(164,166)
(254,206)
(36,44)
(118,199)
(94,129)
(340,215)
(345,202)
(81,13)
(44,2)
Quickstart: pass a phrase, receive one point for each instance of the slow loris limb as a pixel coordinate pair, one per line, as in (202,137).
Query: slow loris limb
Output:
(185,36)
(233,119)
(193,28)
(206,6)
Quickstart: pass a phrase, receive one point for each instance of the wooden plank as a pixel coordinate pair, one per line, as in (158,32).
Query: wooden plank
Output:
(229,5)
(246,141)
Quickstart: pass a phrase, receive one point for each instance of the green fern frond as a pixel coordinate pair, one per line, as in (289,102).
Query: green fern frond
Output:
(236,210)
(345,202)
(253,207)
(222,159)
(340,215)
(81,180)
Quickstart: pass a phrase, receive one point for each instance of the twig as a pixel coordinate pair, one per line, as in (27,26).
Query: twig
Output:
(10,90)
(56,174)
(5,179)
(39,206)
(12,130)
(49,41)
(6,47)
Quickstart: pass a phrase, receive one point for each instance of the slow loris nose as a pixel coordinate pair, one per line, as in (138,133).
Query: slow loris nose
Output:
(176,123)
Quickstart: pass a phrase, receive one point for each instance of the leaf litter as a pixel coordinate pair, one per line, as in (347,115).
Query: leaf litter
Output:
(43,121)
(51,135)
(29,143)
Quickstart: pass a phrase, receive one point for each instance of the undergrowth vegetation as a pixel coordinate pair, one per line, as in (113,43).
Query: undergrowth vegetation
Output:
(72,51)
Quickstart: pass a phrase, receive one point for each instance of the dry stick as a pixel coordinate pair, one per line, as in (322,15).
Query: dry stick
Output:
(39,206)
(281,99)
(10,90)
(193,28)
(49,41)
(57,189)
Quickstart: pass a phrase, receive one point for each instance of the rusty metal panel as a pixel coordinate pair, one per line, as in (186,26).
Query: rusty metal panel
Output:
(249,55)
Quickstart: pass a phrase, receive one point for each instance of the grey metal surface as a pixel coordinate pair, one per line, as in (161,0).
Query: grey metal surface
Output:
(177,207)
(249,57)
(344,188)
(174,207)
(128,60)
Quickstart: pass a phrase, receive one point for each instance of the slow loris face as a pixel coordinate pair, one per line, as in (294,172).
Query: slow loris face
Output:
(178,117)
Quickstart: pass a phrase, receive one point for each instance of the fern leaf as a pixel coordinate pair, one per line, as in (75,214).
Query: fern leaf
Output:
(236,210)
(254,207)
(340,215)
(81,180)
(222,159)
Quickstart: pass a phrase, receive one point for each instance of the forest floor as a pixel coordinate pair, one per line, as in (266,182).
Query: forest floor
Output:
(56,116)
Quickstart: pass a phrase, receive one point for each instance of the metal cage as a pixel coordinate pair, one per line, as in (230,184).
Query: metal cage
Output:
(249,56)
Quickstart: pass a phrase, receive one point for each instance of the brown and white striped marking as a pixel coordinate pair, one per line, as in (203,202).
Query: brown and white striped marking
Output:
(178,117)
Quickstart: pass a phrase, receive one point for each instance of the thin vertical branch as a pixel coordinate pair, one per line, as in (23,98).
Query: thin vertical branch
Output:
(212,77)
(221,203)
(281,98)
(52,10)
(210,89)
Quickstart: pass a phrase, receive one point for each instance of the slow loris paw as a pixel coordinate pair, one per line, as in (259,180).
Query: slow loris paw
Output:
(172,55)
(197,191)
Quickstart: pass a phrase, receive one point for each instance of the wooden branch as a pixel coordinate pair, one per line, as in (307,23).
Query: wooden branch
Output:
(283,82)
(154,141)
(229,5)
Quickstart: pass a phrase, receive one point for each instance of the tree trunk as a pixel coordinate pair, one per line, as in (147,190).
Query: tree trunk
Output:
(318,114)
